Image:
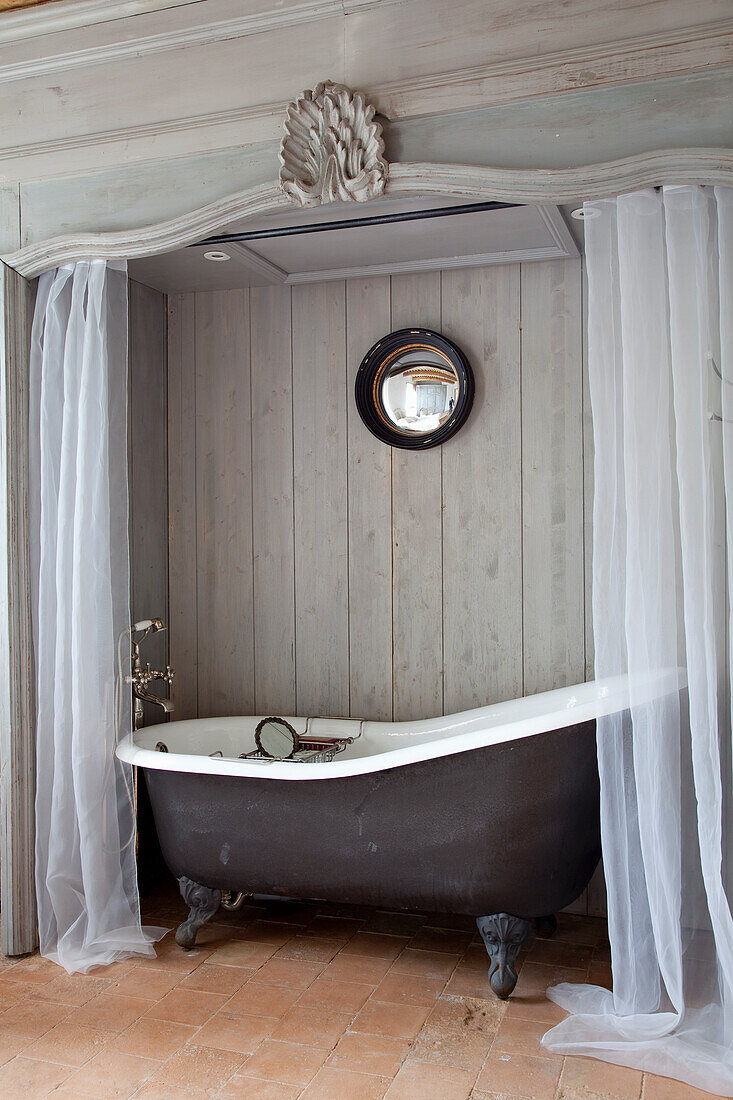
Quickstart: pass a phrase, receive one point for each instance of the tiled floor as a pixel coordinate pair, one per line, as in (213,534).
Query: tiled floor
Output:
(284,1001)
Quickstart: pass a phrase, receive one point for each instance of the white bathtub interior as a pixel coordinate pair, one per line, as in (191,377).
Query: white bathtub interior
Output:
(214,746)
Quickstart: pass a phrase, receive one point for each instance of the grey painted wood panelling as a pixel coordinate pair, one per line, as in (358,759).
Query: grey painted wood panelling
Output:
(148,470)
(482,494)
(224,583)
(17,694)
(273,528)
(313,569)
(182,638)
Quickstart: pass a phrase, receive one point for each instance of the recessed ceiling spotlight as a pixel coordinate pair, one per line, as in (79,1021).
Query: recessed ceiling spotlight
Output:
(584,214)
(217,257)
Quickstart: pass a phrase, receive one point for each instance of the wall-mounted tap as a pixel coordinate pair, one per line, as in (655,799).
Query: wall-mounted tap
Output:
(141,676)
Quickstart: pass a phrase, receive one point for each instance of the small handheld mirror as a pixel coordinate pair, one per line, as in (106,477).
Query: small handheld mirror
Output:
(276,738)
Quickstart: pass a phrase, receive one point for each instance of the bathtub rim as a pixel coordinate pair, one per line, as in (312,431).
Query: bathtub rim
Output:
(567,706)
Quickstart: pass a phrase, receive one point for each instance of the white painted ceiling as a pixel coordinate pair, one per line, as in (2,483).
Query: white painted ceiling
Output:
(471,238)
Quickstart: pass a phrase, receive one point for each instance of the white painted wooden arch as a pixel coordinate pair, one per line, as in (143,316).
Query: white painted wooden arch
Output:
(704,165)
(709,166)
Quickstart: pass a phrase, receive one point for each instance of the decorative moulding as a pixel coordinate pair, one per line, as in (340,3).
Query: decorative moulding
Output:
(545,185)
(333,149)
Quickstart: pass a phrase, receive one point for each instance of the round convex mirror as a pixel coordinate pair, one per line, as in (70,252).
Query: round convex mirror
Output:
(414,389)
(276,738)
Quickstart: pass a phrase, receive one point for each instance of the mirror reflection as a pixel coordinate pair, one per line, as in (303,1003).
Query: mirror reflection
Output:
(419,391)
(276,738)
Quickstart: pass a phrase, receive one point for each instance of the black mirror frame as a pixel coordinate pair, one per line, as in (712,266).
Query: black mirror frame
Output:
(367,388)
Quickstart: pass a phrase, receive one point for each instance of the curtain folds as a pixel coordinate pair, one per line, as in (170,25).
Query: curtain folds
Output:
(660,352)
(86,884)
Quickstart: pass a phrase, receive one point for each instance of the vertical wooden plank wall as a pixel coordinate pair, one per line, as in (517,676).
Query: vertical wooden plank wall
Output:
(368,310)
(224,564)
(552,476)
(417,536)
(320,483)
(182,628)
(147,470)
(482,494)
(273,527)
(314,570)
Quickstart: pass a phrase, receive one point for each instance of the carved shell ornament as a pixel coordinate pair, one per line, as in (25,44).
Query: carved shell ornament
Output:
(333,148)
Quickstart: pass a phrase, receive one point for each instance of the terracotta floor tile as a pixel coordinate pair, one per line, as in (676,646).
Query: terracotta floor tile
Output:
(428,1082)
(246,953)
(210,978)
(146,982)
(26,1077)
(175,960)
(407,990)
(559,953)
(662,1088)
(536,977)
(34,1019)
(475,957)
(111,1074)
(107,1013)
(535,1006)
(291,1063)
(576,929)
(335,928)
(69,1044)
(600,974)
(10,1045)
(458,922)
(342,1084)
(313,949)
(198,1067)
(517,1036)
(336,996)
(261,999)
(154,1039)
(375,945)
(441,939)
(602,1078)
(468,981)
(428,964)
(263,931)
(520,1075)
(315,1027)
(149,1091)
(72,989)
(12,993)
(397,1020)
(364,1053)
(242,1087)
(242,1034)
(394,924)
(35,970)
(186,1006)
(458,1033)
(290,972)
(357,968)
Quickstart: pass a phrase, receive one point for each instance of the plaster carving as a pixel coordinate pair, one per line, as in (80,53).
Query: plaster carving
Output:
(333,148)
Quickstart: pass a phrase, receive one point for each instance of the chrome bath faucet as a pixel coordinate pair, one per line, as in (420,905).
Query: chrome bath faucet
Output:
(142,675)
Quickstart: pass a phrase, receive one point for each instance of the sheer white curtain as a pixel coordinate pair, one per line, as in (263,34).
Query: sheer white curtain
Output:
(88,907)
(660,336)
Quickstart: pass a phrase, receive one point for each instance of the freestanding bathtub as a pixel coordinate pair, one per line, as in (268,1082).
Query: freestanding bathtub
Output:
(492,812)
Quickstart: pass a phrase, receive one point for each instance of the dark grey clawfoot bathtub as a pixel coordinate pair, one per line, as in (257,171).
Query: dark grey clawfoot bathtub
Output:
(493,812)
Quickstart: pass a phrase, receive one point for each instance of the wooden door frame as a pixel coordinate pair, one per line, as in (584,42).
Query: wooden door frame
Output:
(18,933)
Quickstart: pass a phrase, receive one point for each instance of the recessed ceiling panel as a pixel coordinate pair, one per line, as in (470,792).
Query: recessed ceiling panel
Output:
(457,239)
